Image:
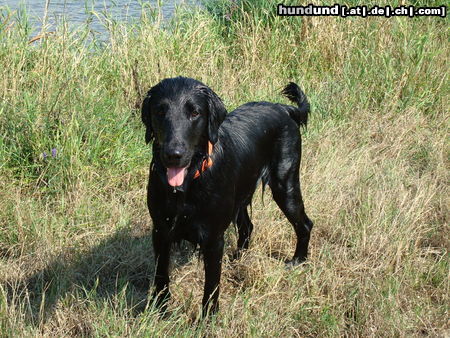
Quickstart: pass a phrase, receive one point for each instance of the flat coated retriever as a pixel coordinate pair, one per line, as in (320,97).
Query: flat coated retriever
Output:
(206,166)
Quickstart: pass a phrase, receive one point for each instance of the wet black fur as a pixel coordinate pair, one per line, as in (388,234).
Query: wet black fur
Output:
(257,141)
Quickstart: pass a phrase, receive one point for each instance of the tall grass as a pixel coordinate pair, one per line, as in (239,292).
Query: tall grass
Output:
(75,252)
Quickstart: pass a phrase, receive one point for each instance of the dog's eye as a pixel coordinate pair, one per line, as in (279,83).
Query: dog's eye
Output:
(195,114)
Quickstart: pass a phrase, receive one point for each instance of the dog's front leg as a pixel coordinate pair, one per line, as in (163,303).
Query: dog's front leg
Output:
(212,255)
(161,247)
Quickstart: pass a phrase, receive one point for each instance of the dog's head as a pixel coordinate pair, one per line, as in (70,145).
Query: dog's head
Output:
(180,114)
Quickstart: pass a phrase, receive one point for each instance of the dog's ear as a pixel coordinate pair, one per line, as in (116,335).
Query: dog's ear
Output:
(216,115)
(146,118)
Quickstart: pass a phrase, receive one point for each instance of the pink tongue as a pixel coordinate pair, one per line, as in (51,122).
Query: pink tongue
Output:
(175,176)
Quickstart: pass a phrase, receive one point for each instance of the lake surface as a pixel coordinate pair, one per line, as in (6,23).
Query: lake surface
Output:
(77,12)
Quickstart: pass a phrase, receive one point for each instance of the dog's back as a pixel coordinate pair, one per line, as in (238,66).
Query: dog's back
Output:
(247,119)
(254,133)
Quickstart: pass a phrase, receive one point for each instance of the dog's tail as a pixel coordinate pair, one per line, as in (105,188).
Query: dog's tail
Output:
(300,115)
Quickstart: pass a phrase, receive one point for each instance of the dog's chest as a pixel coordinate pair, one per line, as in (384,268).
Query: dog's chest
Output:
(183,220)
(186,228)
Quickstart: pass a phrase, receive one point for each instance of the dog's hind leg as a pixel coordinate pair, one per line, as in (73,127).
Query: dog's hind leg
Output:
(285,186)
(245,228)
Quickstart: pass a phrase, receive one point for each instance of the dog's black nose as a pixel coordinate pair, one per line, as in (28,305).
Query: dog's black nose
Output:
(174,154)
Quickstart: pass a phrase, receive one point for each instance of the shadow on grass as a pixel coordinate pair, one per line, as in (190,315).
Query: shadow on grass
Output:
(121,265)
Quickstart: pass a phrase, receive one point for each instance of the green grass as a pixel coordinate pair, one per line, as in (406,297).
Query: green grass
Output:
(75,246)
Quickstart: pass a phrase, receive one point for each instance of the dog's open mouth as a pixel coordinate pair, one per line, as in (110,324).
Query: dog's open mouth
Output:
(175,176)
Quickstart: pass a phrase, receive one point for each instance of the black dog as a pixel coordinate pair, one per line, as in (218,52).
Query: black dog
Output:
(206,166)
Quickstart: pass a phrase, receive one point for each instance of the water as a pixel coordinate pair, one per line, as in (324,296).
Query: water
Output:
(78,12)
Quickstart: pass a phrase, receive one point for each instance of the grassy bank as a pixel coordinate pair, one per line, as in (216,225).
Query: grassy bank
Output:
(75,246)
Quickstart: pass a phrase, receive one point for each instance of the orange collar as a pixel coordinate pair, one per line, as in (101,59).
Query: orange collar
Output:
(207,162)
